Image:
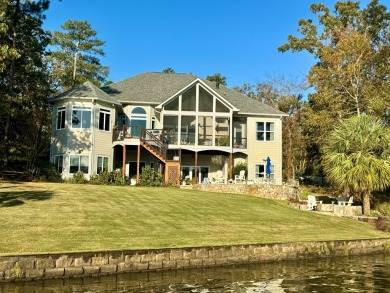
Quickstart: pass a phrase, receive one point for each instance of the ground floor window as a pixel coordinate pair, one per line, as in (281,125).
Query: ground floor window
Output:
(260,171)
(189,172)
(102,164)
(59,163)
(79,163)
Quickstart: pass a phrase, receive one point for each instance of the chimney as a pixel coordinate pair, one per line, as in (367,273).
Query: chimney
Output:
(217,84)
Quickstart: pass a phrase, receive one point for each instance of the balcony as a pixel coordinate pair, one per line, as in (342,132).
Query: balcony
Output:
(137,132)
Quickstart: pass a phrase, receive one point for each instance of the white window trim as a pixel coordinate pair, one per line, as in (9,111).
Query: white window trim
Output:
(97,160)
(82,109)
(265,131)
(272,175)
(106,112)
(89,163)
(61,110)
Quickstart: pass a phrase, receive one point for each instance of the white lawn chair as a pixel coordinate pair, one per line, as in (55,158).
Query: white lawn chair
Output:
(347,203)
(240,178)
(312,203)
(220,177)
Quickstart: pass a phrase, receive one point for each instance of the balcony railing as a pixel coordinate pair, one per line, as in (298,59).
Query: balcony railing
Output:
(240,143)
(119,134)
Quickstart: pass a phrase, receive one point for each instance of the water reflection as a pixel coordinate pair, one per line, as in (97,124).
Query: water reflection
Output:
(353,274)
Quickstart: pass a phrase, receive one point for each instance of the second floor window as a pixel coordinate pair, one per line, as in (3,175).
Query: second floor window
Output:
(104,119)
(61,118)
(81,117)
(265,131)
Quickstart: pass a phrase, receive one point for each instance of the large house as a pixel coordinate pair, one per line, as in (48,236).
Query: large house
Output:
(178,124)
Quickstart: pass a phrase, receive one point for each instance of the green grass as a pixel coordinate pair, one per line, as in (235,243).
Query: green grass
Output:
(47,218)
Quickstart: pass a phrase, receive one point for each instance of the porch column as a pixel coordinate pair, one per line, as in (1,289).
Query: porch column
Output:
(138,161)
(196,168)
(230,166)
(160,168)
(124,161)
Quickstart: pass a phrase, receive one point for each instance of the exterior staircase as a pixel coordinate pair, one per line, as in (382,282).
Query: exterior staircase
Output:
(154,145)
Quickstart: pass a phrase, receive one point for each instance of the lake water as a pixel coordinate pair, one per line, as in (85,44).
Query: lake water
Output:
(345,274)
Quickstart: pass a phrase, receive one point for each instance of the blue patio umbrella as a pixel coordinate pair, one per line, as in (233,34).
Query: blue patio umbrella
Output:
(268,166)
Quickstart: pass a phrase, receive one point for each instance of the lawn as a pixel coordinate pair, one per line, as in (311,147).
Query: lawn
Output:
(50,217)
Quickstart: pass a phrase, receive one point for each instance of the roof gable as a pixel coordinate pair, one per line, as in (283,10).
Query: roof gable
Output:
(205,86)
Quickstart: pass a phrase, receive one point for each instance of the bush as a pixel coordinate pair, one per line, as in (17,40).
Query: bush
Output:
(78,178)
(117,178)
(238,167)
(94,179)
(48,172)
(149,177)
(383,224)
(384,208)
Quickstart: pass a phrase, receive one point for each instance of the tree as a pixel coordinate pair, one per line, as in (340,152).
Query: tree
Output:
(217,78)
(76,59)
(351,74)
(6,51)
(168,70)
(357,157)
(24,84)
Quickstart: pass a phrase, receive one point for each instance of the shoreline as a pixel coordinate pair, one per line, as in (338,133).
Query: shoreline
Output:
(28,267)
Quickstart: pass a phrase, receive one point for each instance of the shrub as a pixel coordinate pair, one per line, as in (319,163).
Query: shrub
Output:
(149,177)
(384,208)
(78,178)
(117,178)
(94,179)
(238,167)
(383,224)
(49,173)
(105,177)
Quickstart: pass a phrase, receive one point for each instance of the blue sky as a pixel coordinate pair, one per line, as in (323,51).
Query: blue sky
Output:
(238,38)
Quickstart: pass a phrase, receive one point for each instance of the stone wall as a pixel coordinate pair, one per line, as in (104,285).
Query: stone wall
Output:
(270,191)
(29,267)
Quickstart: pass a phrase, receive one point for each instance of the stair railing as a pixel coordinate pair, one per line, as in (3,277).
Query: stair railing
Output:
(152,139)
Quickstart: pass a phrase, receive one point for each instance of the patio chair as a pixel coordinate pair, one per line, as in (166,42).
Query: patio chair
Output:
(240,178)
(312,203)
(347,203)
(220,177)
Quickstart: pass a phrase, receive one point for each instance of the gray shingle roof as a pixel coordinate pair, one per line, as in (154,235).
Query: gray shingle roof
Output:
(86,90)
(158,87)
(149,87)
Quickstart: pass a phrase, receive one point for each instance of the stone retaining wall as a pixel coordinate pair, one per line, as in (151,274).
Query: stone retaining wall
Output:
(270,191)
(29,267)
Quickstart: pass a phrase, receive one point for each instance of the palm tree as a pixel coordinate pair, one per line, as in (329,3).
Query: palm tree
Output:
(218,79)
(357,157)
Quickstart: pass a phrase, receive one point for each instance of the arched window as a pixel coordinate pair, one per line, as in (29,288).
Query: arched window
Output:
(137,120)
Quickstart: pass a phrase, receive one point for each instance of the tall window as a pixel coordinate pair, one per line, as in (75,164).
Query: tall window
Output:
(61,117)
(59,163)
(79,163)
(104,119)
(102,164)
(137,120)
(171,129)
(265,131)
